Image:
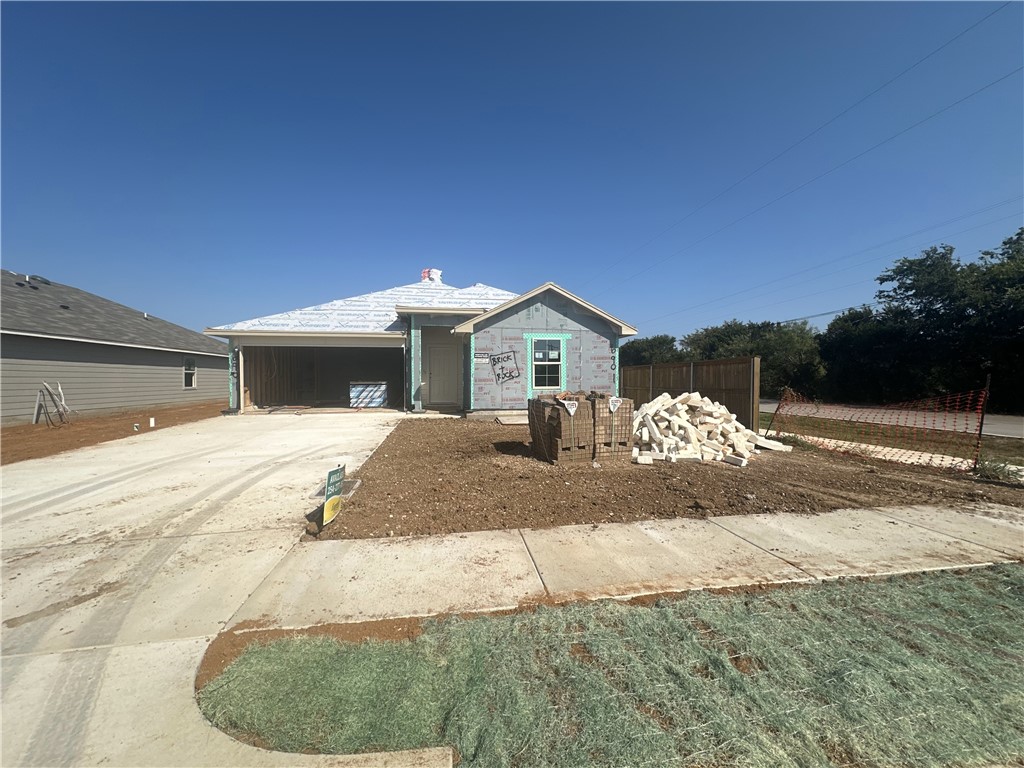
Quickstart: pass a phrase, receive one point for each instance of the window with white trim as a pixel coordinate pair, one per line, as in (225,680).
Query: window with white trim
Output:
(547,364)
(188,369)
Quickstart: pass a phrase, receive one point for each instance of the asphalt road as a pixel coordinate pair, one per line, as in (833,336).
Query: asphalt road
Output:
(995,425)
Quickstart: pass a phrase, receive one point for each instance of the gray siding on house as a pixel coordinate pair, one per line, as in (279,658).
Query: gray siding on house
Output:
(589,350)
(101,377)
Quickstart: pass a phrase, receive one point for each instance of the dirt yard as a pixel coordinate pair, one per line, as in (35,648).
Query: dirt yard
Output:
(34,441)
(452,475)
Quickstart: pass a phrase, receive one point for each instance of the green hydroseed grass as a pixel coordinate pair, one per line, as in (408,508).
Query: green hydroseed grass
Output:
(912,671)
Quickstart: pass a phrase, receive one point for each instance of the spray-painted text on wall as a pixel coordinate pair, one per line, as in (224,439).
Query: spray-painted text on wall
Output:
(504,366)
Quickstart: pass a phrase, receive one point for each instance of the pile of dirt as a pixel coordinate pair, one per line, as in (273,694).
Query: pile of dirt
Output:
(34,441)
(435,476)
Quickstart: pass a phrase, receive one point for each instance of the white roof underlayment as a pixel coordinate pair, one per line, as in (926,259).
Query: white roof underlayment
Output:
(375,312)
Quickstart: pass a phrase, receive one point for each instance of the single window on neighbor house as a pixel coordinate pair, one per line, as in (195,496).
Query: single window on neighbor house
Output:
(547,363)
(189,369)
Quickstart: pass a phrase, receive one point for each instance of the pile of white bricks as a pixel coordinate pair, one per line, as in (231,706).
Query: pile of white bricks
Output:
(692,428)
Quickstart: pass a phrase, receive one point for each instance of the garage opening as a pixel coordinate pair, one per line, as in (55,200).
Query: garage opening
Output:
(325,376)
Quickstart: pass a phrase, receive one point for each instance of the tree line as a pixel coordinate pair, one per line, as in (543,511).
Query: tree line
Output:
(938,326)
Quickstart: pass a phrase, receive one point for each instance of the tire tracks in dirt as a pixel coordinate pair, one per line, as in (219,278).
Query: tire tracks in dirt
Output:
(99,568)
(73,696)
(828,496)
(90,486)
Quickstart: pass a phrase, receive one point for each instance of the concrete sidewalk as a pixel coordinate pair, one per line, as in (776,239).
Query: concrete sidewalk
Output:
(360,580)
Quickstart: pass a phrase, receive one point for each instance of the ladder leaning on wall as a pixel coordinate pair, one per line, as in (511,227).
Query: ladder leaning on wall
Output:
(61,412)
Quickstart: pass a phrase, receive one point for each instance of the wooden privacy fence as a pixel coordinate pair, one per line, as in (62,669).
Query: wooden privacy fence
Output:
(735,383)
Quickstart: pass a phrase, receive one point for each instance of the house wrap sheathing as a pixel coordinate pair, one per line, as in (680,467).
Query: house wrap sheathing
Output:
(425,345)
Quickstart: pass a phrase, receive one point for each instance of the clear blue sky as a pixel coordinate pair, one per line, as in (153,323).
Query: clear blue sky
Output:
(214,162)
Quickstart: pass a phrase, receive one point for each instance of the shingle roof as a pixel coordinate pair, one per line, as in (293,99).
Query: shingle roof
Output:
(373,312)
(39,306)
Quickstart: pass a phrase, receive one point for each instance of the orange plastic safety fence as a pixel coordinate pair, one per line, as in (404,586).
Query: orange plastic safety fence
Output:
(937,431)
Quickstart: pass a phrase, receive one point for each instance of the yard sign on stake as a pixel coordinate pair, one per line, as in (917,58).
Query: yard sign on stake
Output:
(571,406)
(613,406)
(332,493)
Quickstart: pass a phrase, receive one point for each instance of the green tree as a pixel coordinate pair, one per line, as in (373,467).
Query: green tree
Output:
(996,332)
(653,349)
(788,352)
(789,358)
(942,327)
(730,339)
(863,352)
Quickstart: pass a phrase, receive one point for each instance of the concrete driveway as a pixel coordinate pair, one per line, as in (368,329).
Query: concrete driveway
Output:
(122,561)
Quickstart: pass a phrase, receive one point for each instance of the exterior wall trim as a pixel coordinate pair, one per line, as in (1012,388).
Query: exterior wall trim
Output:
(415,354)
(112,343)
(562,338)
(403,309)
(470,325)
(226,333)
(472,368)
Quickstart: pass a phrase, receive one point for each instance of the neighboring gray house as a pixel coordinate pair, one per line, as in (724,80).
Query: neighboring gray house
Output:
(106,356)
(426,345)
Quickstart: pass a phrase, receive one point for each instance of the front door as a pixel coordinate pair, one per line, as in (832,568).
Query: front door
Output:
(443,375)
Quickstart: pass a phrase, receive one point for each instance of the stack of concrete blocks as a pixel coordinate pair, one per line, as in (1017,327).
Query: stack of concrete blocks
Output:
(557,436)
(693,428)
(613,434)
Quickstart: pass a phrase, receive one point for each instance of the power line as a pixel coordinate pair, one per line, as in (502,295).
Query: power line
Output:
(858,282)
(840,287)
(868,261)
(855,253)
(797,143)
(1019,216)
(833,312)
(789,275)
(844,309)
(904,237)
(822,175)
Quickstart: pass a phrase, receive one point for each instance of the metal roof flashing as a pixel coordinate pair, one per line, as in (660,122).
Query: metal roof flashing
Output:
(439,310)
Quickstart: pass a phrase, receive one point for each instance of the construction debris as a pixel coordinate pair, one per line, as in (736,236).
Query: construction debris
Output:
(693,428)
